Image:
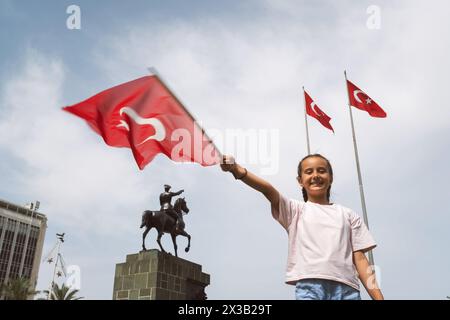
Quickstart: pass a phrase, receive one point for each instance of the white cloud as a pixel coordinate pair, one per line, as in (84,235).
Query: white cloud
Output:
(66,166)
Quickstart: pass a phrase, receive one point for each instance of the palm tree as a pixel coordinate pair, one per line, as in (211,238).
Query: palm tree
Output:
(17,289)
(62,293)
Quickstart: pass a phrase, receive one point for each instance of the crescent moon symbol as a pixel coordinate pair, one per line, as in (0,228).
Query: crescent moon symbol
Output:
(355,94)
(160,131)
(313,104)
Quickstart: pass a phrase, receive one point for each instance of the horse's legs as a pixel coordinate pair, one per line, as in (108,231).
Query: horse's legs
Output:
(184,233)
(143,238)
(160,234)
(174,240)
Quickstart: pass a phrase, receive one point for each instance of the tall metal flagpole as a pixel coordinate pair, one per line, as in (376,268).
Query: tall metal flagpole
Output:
(52,285)
(361,189)
(306,124)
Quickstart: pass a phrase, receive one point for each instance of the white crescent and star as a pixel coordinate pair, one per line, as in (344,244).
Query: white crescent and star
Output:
(313,104)
(355,94)
(160,131)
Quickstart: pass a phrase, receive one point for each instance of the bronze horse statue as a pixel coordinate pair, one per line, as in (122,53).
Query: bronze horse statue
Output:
(164,223)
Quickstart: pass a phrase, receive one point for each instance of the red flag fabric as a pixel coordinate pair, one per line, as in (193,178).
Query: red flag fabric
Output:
(359,99)
(143,115)
(313,110)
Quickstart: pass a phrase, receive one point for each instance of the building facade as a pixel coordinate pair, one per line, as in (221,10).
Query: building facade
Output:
(22,233)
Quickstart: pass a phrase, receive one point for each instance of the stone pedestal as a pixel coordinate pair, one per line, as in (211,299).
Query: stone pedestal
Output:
(153,275)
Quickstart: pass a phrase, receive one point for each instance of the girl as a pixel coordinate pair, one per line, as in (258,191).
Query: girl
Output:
(327,241)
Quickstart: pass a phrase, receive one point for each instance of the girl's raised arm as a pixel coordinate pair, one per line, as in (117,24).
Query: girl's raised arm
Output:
(229,165)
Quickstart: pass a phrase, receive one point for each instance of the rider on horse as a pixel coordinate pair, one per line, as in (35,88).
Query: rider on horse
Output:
(165,199)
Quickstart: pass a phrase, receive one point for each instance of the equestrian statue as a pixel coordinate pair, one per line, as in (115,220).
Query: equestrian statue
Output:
(169,219)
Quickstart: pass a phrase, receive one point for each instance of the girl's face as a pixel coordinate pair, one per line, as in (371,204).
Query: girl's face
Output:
(315,177)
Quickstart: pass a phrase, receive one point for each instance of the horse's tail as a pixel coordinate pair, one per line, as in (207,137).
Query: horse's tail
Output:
(145,217)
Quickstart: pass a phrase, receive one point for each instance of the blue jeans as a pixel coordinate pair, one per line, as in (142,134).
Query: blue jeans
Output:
(321,289)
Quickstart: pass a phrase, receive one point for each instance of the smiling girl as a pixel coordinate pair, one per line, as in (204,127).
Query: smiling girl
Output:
(326,241)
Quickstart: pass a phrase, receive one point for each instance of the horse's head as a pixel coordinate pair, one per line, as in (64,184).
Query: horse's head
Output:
(180,205)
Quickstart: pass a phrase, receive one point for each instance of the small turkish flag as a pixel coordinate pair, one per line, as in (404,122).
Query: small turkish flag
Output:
(359,99)
(313,110)
(143,115)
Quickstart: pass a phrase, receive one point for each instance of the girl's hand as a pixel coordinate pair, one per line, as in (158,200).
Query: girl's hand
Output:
(228,163)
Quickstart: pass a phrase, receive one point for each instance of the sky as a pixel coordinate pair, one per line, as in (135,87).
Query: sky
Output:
(239,67)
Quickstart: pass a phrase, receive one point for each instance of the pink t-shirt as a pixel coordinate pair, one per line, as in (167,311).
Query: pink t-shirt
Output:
(322,239)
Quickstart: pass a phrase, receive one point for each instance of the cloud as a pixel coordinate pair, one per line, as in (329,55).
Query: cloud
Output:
(63,163)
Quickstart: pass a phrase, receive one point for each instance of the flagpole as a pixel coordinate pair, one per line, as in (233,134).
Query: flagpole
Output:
(52,285)
(154,72)
(361,189)
(306,124)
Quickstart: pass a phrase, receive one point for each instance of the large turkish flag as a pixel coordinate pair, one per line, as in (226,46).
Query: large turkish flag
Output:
(145,116)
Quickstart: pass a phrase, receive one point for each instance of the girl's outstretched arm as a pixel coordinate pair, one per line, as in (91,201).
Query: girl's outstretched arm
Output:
(366,275)
(228,164)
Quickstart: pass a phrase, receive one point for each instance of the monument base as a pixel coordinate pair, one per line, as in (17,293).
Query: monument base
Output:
(153,275)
